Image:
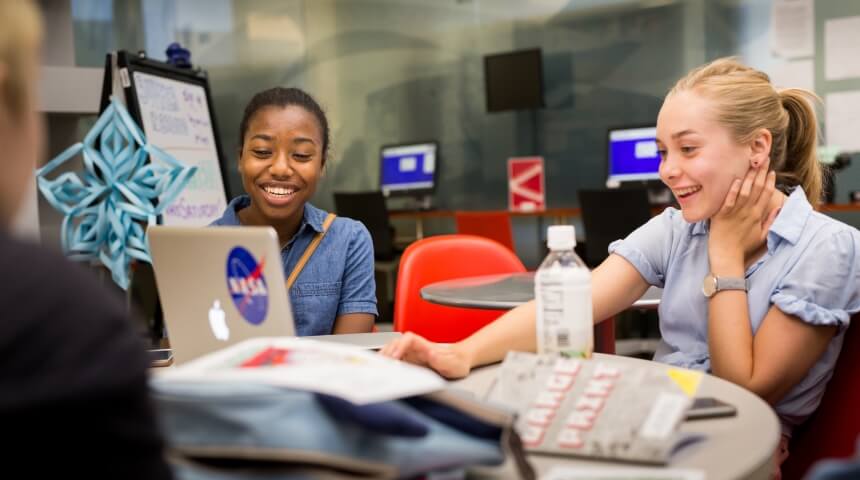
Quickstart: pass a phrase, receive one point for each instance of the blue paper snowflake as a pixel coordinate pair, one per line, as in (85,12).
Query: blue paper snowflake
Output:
(106,205)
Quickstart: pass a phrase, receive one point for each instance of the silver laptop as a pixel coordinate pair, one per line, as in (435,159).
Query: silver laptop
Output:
(219,286)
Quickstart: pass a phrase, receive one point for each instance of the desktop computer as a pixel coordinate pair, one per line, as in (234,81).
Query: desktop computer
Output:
(409,170)
(632,160)
(632,155)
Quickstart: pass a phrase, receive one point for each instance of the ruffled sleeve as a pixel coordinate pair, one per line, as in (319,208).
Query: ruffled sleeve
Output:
(649,246)
(823,286)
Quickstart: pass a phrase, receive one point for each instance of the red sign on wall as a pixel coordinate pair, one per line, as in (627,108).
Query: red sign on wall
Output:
(526,184)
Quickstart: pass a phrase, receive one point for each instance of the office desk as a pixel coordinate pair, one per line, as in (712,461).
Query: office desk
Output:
(839,207)
(424,214)
(735,447)
(558,214)
(502,292)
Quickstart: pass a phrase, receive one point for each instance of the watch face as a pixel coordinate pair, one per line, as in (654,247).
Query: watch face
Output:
(709,285)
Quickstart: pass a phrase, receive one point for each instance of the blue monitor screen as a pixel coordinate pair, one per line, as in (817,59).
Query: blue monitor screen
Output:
(408,168)
(633,155)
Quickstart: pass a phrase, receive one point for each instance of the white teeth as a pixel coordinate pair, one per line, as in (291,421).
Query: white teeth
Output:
(278,190)
(683,192)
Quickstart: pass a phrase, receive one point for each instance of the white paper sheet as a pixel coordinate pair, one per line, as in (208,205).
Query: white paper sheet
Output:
(344,371)
(622,473)
(842,125)
(793,74)
(792,28)
(841,39)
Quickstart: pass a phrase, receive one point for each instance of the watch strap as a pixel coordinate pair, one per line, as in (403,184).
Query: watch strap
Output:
(732,283)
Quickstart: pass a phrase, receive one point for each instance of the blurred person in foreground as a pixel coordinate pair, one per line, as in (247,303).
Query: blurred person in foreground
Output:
(73,371)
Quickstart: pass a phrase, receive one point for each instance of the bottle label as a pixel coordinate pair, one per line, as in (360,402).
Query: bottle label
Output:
(565,324)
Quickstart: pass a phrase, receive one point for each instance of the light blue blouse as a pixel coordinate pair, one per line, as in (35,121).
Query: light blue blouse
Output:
(811,270)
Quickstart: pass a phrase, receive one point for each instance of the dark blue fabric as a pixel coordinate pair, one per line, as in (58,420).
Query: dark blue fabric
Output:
(454,418)
(390,418)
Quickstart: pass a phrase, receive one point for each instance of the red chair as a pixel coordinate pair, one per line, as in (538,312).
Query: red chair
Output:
(493,225)
(832,431)
(446,257)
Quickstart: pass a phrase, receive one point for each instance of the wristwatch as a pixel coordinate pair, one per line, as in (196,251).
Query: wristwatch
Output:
(713,284)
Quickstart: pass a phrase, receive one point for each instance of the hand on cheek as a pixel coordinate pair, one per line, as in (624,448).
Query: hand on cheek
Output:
(738,229)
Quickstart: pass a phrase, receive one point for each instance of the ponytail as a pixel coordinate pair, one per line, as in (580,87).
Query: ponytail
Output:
(745,101)
(801,165)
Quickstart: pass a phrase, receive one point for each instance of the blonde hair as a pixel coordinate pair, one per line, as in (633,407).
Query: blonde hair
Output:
(20,37)
(746,101)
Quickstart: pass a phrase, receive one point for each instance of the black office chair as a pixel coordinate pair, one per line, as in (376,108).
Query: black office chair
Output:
(609,215)
(369,208)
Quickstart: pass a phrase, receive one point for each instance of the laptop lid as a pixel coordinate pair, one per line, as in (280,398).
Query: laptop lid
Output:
(219,286)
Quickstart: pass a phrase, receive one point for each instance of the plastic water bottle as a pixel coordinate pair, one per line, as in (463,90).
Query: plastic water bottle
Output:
(563,293)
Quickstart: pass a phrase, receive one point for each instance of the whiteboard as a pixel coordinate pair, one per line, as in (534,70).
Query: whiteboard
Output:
(176,118)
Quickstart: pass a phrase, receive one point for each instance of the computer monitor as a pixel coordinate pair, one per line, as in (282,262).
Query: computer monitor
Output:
(632,155)
(408,169)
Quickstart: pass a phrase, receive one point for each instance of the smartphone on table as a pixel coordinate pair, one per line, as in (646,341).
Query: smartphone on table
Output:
(709,407)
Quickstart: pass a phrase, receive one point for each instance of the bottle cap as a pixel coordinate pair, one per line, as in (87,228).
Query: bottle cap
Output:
(561,237)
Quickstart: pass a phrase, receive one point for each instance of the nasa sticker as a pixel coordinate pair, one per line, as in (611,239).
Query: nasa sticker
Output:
(247,285)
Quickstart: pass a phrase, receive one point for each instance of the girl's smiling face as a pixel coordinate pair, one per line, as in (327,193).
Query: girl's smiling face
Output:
(281,162)
(699,157)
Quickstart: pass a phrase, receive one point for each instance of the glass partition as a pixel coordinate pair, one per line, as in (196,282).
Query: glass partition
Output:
(404,71)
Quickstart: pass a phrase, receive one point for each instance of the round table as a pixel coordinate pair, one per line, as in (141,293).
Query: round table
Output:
(734,447)
(502,292)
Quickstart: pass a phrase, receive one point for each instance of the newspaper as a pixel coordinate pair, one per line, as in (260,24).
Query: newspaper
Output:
(596,408)
(351,373)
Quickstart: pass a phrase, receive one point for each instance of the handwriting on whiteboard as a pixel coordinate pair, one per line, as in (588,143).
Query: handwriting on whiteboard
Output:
(176,117)
(193,210)
(155,94)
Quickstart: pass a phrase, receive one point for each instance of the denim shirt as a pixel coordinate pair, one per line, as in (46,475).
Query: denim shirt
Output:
(811,270)
(339,277)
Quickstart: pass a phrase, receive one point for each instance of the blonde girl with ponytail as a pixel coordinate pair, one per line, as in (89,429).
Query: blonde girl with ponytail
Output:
(758,287)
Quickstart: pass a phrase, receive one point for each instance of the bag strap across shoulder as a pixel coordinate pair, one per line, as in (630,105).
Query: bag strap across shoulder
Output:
(310,251)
